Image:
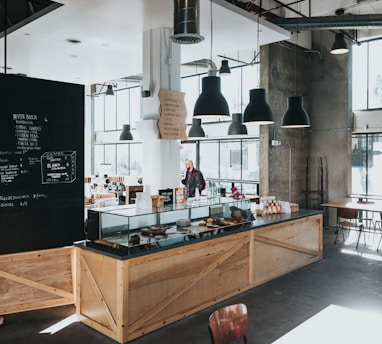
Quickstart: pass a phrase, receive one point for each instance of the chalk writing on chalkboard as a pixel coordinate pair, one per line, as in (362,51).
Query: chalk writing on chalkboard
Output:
(168,195)
(27,131)
(58,167)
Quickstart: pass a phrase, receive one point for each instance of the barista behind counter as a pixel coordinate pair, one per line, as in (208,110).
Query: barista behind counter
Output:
(193,179)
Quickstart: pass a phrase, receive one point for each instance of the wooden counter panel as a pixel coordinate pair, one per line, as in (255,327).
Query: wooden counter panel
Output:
(96,289)
(282,248)
(37,279)
(170,285)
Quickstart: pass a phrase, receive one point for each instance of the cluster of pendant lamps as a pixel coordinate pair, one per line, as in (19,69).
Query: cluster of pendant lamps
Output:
(212,104)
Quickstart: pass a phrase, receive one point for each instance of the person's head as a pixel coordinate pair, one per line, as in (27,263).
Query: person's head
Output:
(189,165)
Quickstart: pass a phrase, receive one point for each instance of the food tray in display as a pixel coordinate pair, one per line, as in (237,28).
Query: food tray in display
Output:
(163,235)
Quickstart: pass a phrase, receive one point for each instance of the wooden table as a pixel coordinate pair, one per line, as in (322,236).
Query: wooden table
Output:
(368,207)
(373,207)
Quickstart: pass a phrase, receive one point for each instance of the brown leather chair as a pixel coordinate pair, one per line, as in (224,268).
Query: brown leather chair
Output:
(228,324)
(348,219)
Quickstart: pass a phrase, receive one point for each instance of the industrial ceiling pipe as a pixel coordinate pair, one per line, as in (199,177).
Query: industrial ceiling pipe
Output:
(186,22)
(329,22)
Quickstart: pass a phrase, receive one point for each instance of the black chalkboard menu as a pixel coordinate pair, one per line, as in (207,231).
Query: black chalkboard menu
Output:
(41,163)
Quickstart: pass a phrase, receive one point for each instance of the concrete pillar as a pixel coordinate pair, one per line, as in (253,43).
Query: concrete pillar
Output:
(286,165)
(331,119)
(161,69)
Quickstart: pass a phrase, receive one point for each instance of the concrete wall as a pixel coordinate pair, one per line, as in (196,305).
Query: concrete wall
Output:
(285,72)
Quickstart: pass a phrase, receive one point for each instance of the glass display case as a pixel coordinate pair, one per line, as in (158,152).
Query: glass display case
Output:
(132,229)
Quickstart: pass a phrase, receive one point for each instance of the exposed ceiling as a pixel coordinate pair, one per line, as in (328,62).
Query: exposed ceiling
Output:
(91,41)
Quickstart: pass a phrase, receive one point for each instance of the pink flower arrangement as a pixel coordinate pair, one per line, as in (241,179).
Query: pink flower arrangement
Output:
(235,193)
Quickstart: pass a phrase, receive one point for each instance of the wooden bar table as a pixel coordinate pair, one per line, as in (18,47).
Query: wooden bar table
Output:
(361,206)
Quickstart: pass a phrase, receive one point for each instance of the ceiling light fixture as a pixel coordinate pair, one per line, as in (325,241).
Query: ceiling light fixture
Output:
(126,133)
(196,129)
(224,69)
(258,111)
(237,127)
(295,116)
(109,90)
(186,22)
(339,46)
(211,103)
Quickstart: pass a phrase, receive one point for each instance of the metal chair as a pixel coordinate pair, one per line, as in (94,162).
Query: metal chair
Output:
(228,324)
(348,219)
(378,223)
(363,216)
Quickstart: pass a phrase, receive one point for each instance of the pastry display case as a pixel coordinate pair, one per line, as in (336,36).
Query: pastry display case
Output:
(133,230)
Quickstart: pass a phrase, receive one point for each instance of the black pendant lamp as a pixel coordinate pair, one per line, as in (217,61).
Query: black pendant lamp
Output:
(224,68)
(196,129)
(237,127)
(339,45)
(258,111)
(109,90)
(211,103)
(295,116)
(126,133)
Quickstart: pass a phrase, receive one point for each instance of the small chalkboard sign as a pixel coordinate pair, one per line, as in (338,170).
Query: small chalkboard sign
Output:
(58,167)
(168,195)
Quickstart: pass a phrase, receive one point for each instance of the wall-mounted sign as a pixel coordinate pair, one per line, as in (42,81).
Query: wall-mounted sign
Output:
(173,114)
(58,167)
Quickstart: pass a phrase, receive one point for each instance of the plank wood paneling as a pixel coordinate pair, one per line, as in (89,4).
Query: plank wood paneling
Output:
(284,247)
(37,279)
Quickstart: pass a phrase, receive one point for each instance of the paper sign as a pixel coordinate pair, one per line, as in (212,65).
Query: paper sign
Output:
(173,114)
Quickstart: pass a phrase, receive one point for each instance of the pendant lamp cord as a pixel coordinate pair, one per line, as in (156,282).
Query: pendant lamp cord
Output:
(295,53)
(258,45)
(211,31)
(5,35)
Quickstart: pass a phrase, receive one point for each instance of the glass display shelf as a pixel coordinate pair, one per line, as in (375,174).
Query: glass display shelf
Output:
(132,230)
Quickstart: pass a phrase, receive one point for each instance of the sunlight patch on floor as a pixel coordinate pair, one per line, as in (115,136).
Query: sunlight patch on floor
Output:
(336,324)
(60,325)
(372,256)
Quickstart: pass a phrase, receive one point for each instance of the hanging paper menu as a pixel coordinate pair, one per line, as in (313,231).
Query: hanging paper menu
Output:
(173,114)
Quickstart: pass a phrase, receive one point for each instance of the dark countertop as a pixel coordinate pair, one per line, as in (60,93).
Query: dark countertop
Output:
(124,252)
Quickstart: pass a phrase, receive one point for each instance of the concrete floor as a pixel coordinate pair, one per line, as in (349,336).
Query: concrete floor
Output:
(345,277)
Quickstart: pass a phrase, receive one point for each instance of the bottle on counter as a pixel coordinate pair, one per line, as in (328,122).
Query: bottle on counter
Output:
(197,194)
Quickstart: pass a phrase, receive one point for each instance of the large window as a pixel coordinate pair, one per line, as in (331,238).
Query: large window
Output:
(226,162)
(367,95)
(367,75)
(110,114)
(367,164)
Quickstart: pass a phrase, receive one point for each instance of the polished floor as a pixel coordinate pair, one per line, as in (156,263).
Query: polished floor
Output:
(346,279)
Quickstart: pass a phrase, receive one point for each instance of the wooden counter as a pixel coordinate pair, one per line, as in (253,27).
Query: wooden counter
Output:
(37,279)
(127,298)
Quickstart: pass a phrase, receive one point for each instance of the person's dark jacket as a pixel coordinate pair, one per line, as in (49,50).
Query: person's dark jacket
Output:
(193,180)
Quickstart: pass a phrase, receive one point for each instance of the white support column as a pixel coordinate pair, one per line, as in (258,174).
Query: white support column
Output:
(161,69)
